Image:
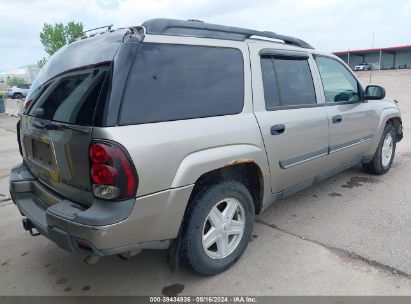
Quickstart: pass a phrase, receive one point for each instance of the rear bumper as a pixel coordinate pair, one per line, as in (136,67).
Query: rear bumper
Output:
(148,222)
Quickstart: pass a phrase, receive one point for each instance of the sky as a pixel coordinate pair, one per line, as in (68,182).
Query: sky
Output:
(328,25)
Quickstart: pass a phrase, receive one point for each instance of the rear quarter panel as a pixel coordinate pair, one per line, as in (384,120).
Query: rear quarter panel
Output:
(176,153)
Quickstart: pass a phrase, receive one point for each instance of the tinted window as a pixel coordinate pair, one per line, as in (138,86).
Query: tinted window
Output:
(338,83)
(99,49)
(71,98)
(287,82)
(171,82)
(34,97)
(271,96)
(295,83)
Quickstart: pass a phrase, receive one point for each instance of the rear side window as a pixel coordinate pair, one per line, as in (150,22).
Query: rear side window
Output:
(70,99)
(290,79)
(272,99)
(173,82)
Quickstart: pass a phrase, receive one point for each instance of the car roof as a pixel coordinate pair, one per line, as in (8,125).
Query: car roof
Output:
(200,29)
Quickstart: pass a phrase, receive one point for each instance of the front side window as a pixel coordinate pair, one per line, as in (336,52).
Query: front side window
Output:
(173,82)
(338,83)
(287,82)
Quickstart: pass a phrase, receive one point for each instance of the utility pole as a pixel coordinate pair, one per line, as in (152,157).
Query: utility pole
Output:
(379,62)
(372,57)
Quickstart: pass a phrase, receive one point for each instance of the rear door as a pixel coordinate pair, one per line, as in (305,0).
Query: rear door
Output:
(352,121)
(293,124)
(56,131)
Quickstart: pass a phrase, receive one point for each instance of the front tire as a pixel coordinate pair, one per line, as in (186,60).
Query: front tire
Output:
(384,156)
(17,96)
(217,227)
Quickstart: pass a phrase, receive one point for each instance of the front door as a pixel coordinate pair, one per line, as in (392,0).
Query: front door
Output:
(293,125)
(352,121)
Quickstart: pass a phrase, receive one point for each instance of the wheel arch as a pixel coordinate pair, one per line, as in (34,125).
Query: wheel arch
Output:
(388,116)
(244,171)
(245,163)
(396,122)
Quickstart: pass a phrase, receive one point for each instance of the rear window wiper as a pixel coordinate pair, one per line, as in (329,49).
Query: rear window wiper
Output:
(52,126)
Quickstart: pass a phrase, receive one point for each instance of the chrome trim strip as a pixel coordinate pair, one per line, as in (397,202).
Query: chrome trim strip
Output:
(352,143)
(291,162)
(287,163)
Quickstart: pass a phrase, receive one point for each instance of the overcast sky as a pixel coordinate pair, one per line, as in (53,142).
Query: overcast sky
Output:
(329,25)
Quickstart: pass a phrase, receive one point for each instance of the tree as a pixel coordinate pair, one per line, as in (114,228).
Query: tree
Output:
(53,37)
(13,80)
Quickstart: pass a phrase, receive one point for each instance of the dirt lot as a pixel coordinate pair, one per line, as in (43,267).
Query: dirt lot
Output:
(349,235)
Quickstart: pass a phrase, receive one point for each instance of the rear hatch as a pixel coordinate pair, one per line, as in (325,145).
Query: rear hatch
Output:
(59,114)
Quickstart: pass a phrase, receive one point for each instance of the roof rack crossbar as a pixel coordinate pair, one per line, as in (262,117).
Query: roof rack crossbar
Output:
(197,28)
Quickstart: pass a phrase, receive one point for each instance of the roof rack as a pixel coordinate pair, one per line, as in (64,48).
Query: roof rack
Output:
(197,28)
(98,28)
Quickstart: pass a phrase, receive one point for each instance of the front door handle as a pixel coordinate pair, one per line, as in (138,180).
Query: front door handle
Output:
(277,129)
(337,119)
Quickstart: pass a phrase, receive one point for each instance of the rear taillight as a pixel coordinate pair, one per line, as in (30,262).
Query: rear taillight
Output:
(26,106)
(112,173)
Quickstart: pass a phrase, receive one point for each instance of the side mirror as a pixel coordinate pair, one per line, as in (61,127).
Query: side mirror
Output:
(374,92)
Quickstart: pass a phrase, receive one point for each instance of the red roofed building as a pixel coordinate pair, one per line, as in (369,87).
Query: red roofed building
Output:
(396,57)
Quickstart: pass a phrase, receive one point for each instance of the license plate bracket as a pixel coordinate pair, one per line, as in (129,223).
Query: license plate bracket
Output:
(42,154)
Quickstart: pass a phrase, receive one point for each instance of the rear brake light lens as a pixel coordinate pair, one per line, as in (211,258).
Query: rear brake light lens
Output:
(99,154)
(130,178)
(26,106)
(112,173)
(102,174)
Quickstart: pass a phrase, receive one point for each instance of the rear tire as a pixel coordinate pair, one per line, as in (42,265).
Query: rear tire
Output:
(217,227)
(384,156)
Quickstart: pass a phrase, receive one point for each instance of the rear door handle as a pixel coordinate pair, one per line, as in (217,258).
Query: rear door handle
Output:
(337,119)
(277,129)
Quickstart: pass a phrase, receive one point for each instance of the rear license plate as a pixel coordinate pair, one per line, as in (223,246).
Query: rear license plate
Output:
(42,154)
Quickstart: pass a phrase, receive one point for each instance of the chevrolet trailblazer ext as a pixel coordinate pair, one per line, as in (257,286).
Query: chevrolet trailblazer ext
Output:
(174,134)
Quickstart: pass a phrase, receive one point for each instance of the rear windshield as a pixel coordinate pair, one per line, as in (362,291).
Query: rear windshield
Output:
(96,50)
(173,82)
(71,98)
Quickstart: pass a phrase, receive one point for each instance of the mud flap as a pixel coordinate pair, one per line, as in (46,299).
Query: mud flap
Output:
(173,253)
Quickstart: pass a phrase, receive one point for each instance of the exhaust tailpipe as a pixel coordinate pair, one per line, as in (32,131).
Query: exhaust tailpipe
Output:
(128,254)
(91,259)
